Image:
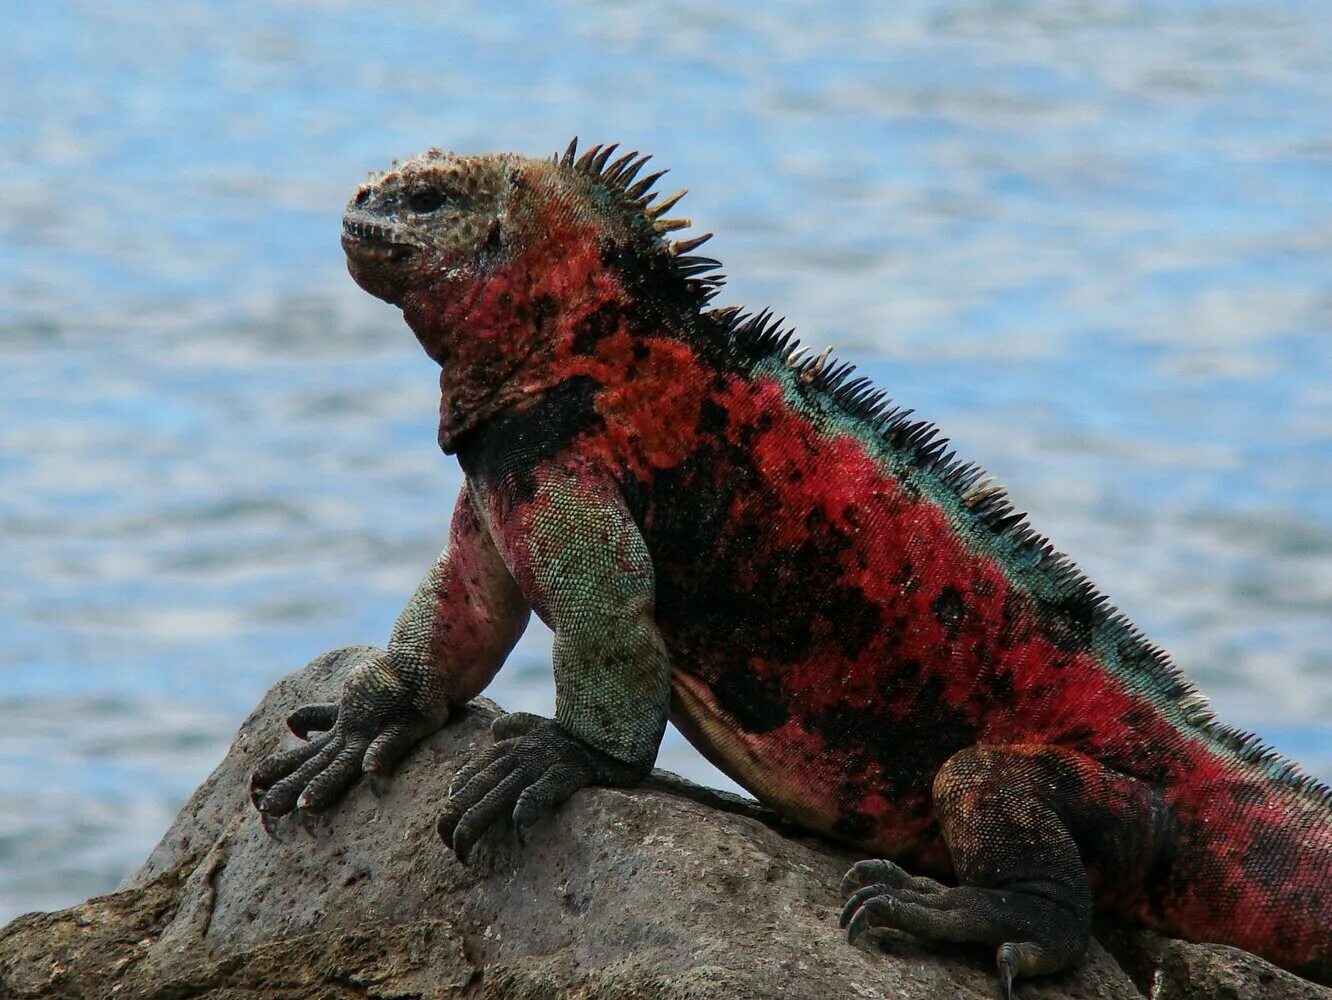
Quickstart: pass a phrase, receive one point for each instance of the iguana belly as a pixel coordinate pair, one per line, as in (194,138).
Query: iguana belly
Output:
(794,772)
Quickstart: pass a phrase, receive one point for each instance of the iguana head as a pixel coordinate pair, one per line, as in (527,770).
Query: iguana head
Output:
(435,219)
(497,261)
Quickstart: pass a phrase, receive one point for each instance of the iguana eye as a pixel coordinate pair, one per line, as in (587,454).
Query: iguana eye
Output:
(425,200)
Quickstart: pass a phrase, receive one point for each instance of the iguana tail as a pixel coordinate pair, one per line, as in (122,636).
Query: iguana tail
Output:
(1252,867)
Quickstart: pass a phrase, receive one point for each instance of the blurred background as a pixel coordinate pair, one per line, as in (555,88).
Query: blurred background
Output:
(1092,240)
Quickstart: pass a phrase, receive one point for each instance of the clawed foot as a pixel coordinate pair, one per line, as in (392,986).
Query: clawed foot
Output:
(368,732)
(533,766)
(1032,936)
(874,888)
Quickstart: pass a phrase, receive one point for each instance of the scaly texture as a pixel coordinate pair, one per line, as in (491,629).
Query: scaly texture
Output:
(854,625)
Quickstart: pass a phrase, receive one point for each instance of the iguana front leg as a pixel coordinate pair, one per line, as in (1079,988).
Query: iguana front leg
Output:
(580,560)
(447,644)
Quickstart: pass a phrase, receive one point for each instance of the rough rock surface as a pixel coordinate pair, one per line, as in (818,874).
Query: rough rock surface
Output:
(661,892)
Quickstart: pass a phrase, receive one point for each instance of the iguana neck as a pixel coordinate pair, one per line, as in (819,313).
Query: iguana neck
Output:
(504,337)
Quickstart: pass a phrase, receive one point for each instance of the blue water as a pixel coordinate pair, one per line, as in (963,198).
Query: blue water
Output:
(1093,241)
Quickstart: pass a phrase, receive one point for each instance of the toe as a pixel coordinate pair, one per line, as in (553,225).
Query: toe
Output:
(467,792)
(495,803)
(515,724)
(858,899)
(480,761)
(387,750)
(872,872)
(542,796)
(281,798)
(280,765)
(329,784)
(875,912)
(311,718)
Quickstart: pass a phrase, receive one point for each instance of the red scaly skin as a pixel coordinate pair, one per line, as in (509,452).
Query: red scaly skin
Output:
(469,612)
(857,630)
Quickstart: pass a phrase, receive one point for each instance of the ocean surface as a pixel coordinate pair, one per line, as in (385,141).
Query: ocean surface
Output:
(1093,241)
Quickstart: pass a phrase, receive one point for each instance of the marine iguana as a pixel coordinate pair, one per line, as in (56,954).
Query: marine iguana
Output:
(726,531)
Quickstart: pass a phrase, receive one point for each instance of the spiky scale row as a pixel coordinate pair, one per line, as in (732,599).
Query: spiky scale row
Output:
(682,247)
(637,197)
(919,443)
(662,207)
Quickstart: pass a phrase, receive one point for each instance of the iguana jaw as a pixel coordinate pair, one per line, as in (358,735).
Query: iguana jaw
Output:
(366,242)
(381,257)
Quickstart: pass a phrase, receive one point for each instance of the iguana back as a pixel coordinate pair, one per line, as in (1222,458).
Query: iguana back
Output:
(850,622)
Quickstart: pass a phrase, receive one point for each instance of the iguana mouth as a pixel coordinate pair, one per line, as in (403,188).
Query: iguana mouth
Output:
(369,241)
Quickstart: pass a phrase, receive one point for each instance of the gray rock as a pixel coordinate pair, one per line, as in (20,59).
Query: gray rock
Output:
(1167,969)
(665,892)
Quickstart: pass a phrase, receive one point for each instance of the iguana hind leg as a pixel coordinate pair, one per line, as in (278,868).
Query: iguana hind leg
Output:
(1018,821)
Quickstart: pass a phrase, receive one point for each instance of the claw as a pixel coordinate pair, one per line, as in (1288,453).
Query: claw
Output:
(370,729)
(860,923)
(309,822)
(269,823)
(525,777)
(1006,959)
(445,830)
(378,785)
(858,899)
(851,884)
(448,832)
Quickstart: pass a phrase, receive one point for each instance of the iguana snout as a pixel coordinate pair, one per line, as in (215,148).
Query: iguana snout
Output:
(428,221)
